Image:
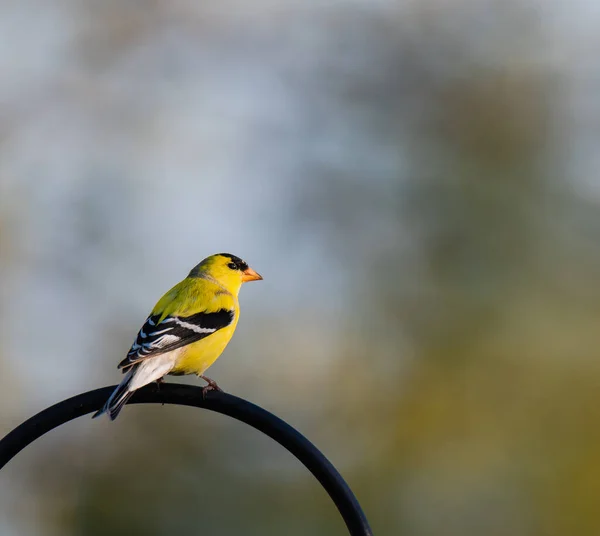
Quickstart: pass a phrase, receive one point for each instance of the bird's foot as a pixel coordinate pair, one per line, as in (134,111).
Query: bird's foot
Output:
(158,382)
(212,386)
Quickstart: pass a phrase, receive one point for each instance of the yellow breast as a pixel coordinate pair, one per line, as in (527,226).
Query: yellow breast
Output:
(195,358)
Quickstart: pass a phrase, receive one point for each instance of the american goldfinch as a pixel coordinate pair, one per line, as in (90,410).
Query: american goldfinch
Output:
(187,330)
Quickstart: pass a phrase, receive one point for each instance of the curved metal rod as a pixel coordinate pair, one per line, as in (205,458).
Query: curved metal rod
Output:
(188,395)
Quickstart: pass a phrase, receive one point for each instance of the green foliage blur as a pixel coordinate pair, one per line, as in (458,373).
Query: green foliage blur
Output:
(412,179)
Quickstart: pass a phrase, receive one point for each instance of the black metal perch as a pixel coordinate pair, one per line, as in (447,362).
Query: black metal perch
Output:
(188,395)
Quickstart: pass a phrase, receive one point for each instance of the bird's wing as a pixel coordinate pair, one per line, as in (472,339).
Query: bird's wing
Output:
(158,336)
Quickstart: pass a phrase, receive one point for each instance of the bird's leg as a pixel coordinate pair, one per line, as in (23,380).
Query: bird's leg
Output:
(212,386)
(211,383)
(158,382)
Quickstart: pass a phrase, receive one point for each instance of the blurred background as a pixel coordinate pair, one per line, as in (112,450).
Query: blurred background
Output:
(417,180)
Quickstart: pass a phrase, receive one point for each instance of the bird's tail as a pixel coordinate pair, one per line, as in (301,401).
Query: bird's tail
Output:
(118,398)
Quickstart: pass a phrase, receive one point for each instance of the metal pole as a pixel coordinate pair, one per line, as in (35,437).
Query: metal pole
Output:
(188,395)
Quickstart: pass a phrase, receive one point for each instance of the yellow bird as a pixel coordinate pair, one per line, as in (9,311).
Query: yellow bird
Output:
(187,330)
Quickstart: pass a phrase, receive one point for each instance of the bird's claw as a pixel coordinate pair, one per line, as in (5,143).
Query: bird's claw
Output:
(212,386)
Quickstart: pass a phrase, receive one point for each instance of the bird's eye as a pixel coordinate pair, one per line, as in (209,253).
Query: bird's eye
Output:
(232,265)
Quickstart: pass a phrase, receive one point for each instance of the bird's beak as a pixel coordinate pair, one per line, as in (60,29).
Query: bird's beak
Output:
(250,275)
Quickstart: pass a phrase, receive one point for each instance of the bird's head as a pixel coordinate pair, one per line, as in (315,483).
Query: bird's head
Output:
(227,269)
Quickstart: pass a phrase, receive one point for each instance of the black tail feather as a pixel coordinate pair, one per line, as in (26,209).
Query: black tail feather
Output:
(117,399)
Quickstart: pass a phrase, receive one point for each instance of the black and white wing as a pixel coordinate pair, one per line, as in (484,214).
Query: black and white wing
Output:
(174,332)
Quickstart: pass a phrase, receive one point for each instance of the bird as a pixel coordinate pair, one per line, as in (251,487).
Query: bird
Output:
(187,330)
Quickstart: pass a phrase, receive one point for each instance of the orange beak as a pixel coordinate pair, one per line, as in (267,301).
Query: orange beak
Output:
(250,275)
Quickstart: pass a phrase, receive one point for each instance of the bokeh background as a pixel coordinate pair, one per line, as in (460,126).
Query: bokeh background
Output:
(417,180)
